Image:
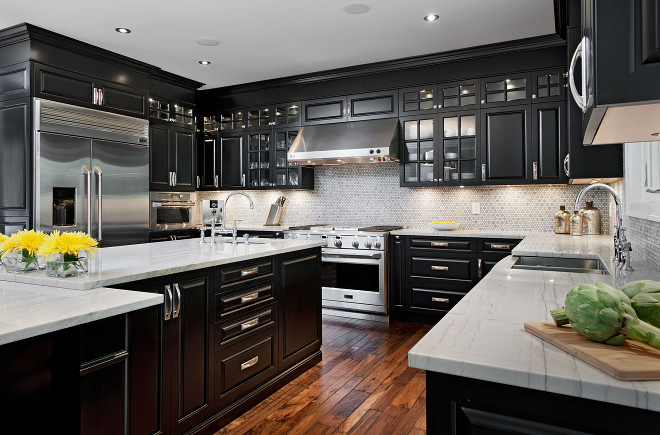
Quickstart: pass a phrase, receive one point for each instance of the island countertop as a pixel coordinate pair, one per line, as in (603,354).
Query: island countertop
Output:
(121,264)
(483,337)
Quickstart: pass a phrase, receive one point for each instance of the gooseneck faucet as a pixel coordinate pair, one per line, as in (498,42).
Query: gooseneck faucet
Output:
(622,246)
(224,208)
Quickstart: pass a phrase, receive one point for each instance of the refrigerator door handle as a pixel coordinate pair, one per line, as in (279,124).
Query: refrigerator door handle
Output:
(88,173)
(99,173)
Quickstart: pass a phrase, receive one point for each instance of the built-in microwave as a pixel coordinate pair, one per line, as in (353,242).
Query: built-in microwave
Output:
(171,210)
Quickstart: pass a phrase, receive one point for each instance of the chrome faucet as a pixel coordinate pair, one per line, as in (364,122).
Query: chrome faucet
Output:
(223,213)
(622,246)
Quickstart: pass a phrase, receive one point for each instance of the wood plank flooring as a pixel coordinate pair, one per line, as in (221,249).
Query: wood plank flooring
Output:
(363,385)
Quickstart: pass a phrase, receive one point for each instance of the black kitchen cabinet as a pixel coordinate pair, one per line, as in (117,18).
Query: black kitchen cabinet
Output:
(325,111)
(69,87)
(461,95)
(459,147)
(418,100)
(506,90)
(505,144)
(260,150)
(419,156)
(10,224)
(280,115)
(171,158)
(288,174)
(374,105)
(548,85)
(397,273)
(164,110)
(227,120)
(15,158)
(15,81)
(230,161)
(548,143)
(258,117)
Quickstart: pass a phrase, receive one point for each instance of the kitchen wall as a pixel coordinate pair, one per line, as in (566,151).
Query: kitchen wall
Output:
(370,195)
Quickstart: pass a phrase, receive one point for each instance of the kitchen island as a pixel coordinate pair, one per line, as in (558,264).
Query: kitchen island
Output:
(190,336)
(484,371)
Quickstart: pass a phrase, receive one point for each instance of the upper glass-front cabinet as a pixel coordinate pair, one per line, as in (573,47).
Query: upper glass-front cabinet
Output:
(280,115)
(548,86)
(231,120)
(505,90)
(418,158)
(172,112)
(417,100)
(458,95)
(459,146)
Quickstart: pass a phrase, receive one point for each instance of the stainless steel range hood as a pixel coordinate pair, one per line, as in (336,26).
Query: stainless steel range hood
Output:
(349,142)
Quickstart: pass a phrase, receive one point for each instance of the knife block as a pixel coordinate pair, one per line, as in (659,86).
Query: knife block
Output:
(274,215)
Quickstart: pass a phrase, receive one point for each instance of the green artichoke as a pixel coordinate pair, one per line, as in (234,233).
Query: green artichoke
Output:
(647,307)
(634,288)
(604,314)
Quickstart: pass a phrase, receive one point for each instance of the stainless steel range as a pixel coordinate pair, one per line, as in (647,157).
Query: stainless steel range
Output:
(354,259)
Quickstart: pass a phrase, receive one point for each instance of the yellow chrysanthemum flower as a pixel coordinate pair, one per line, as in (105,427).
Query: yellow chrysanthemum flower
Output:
(67,243)
(29,241)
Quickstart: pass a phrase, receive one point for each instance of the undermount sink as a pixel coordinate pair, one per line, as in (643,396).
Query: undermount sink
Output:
(561,264)
(241,240)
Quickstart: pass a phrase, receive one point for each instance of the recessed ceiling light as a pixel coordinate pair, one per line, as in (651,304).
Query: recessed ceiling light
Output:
(357,8)
(205,62)
(431,17)
(207,42)
(122,30)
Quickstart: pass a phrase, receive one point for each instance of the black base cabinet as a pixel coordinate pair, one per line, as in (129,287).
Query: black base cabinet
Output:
(458,405)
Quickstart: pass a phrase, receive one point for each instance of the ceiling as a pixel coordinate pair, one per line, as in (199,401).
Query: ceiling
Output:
(265,39)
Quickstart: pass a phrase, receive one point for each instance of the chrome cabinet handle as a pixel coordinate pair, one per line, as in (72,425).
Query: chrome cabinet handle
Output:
(579,99)
(95,96)
(535,170)
(88,172)
(567,165)
(100,97)
(99,173)
(177,310)
(441,268)
(198,182)
(243,180)
(215,181)
(169,183)
(249,324)
(502,247)
(248,298)
(174,176)
(250,271)
(480,268)
(483,172)
(443,300)
(249,363)
(440,244)
(168,303)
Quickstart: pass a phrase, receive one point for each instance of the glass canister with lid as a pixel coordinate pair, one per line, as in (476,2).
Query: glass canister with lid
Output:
(590,219)
(562,218)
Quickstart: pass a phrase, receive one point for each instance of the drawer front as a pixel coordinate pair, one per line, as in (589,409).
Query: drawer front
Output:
(244,325)
(246,272)
(434,299)
(441,268)
(247,363)
(437,243)
(498,245)
(243,298)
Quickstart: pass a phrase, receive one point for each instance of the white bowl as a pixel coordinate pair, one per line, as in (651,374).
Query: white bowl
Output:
(445,227)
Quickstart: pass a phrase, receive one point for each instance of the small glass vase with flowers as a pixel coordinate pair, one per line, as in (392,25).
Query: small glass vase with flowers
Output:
(20,251)
(67,253)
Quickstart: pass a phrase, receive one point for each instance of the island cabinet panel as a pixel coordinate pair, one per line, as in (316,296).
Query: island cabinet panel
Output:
(300,329)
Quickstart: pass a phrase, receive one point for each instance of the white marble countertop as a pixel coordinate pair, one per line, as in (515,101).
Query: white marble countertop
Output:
(494,234)
(272,228)
(117,265)
(28,310)
(482,337)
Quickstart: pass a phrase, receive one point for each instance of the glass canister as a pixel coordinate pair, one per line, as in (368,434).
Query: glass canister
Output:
(576,224)
(590,219)
(562,218)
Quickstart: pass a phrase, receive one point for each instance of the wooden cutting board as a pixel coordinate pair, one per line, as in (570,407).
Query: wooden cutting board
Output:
(632,361)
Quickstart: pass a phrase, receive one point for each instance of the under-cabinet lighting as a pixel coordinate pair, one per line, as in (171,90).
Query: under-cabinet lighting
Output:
(431,17)
(122,30)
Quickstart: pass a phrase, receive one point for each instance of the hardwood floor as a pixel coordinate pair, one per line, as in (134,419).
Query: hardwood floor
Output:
(363,385)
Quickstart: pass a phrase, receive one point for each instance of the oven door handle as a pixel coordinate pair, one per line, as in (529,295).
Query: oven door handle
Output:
(172,204)
(374,256)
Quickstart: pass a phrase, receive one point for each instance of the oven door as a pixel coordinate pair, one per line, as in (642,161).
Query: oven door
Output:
(354,279)
(170,216)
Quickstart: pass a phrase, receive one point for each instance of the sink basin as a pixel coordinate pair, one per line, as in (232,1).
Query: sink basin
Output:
(240,240)
(557,264)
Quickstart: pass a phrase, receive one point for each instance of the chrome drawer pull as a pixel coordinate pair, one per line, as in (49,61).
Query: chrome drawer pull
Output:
(440,244)
(249,324)
(249,363)
(443,268)
(251,271)
(444,300)
(250,297)
(500,246)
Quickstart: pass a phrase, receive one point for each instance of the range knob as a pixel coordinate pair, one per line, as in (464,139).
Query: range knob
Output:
(356,244)
(367,244)
(377,245)
(338,243)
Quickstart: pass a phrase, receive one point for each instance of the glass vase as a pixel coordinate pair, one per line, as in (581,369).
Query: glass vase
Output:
(65,265)
(21,262)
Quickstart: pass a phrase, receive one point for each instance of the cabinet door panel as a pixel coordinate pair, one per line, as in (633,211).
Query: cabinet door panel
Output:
(11,225)
(65,86)
(505,143)
(418,100)
(14,153)
(548,149)
(324,111)
(15,81)
(373,106)
(183,141)
(159,154)
(124,99)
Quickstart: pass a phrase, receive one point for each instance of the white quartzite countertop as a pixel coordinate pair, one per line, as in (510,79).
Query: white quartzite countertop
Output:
(482,337)
(32,304)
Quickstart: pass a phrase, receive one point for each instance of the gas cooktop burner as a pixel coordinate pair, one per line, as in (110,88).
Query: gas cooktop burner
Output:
(385,228)
(322,228)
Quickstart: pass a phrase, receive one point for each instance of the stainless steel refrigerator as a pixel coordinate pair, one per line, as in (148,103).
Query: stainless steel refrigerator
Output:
(91,173)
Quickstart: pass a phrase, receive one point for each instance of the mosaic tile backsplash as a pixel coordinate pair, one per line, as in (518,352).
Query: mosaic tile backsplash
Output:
(370,195)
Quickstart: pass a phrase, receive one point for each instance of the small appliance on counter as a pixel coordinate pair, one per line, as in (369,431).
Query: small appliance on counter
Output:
(211,211)
(562,218)
(590,219)
(275,214)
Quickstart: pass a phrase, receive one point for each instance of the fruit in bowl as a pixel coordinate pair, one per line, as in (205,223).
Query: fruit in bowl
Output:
(444,225)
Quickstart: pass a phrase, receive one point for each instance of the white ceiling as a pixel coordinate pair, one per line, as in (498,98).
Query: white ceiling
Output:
(264,39)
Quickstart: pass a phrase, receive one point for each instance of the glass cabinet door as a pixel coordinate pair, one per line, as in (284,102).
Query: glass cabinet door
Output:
(286,173)
(159,109)
(286,114)
(258,117)
(417,100)
(419,152)
(183,115)
(459,146)
(231,120)
(458,95)
(548,86)
(511,89)
(259,149)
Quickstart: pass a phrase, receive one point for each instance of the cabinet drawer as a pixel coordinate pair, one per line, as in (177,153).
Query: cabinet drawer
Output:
(246,272)
(245,364)
(434,299)
(244,325)
(498,245)
(441,244)
(243,298)
(441,268)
